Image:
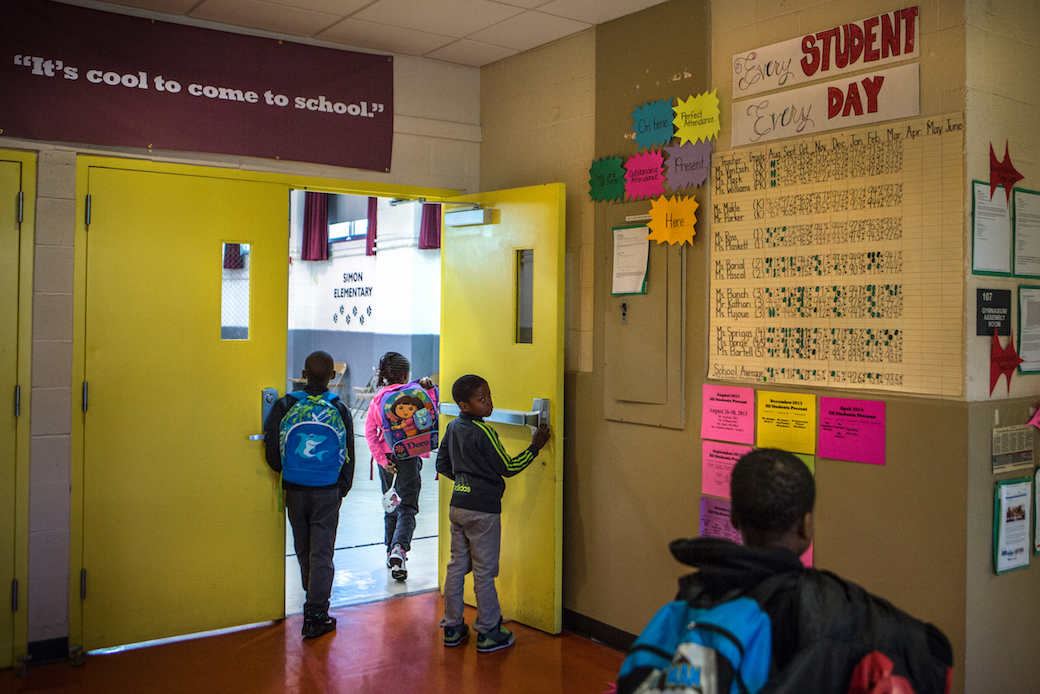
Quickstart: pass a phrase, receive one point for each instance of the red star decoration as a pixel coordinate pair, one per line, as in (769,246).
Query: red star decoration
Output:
(1002,361)
(1002,172)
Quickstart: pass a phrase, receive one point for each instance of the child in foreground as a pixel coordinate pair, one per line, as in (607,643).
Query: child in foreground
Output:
(473,457)
(807,631)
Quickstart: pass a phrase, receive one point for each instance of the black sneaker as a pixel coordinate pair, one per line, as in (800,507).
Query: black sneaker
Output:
(495,640)
(453,636)
(317,625)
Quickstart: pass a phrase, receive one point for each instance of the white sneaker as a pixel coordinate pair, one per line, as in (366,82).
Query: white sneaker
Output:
(397,563)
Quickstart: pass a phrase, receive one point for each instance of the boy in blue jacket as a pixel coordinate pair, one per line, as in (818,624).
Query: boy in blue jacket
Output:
(473,457)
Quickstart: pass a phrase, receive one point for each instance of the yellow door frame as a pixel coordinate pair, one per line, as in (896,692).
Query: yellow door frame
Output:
(83,165)
(27,240)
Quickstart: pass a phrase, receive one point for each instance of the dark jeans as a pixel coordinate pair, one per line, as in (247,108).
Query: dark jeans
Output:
(314,516)
(401,523)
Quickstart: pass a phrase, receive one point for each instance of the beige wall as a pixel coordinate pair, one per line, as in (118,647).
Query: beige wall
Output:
(436,145)
(1003,105)
(917,530)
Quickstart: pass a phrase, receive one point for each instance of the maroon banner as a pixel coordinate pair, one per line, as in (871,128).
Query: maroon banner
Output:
(73,74)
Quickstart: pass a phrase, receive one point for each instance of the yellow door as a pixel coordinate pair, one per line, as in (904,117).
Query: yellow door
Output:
(518,348)
(10,185)
(182,530)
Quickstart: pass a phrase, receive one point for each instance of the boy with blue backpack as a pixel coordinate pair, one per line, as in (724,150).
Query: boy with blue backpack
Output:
(309,439)
(753,619)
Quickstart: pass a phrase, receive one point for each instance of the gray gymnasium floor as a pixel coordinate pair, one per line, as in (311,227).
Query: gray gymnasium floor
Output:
(361,573)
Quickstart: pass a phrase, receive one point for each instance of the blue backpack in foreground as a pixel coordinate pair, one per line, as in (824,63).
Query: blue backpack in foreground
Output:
(725,649)
(312,438)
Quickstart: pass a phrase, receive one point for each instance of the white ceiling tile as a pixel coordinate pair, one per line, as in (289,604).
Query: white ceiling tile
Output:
(264,15)
(528,30)
(596,11)
(380,37)
(167,6)
(526,4)
(470,53)
(456,18)
(340,8)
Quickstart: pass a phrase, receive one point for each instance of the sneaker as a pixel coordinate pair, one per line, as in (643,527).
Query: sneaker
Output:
(453,636)
(495,640)
(397,563)
(315,625)
(388,564)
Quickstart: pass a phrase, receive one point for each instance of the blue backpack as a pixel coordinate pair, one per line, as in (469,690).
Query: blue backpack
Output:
(312,439)
(725,649)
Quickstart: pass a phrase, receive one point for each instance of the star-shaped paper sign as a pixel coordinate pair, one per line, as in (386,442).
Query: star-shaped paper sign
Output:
(652,124)
(643,176)
(1002,172)
(697,118)
(1034,421)
(607,179)
(1002,361)
(688,164)
(673,220)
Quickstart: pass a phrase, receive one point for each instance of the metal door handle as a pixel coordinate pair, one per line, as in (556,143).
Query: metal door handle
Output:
(538,415)
(256,437)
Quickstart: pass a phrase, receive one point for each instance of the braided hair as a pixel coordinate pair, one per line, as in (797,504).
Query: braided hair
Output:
(393,368)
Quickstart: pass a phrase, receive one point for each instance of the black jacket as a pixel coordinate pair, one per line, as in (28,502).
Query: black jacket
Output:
(273,452)
(472,455)
(822,626)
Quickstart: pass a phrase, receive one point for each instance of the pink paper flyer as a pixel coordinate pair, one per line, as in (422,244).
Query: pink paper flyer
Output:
(715,520)
(717,463)
(728,414)
(852,430)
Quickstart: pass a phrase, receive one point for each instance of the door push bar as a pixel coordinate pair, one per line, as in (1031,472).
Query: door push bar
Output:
(538,415)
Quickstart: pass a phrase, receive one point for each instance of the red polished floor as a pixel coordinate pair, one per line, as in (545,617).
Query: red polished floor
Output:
(388,647)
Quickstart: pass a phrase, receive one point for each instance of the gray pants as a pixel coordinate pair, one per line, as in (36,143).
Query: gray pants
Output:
(314,516)
(475,544)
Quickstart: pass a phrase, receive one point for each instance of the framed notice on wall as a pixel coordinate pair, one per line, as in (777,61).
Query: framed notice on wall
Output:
(990,231)
(1012,504)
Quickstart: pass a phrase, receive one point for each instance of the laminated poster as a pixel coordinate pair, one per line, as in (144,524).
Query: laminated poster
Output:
(852,430)
(728,413)
(715,523)
(787,421)
(717,461)
(1012,504)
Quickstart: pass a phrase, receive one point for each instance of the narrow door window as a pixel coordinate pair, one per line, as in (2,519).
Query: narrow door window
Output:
(234,292)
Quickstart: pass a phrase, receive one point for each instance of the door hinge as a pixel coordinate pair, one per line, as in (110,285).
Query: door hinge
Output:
(88,209)
(82,584)
(21,205)
(17,401)
(84,396)
(14,595)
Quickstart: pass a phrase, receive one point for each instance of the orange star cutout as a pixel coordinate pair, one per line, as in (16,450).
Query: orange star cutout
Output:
(1002,361)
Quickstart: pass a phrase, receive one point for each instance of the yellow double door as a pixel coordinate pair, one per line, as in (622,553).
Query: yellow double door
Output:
(181,526)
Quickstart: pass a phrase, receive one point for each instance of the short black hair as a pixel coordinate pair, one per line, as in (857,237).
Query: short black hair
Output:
(771,490)
(464,388)
(319,367)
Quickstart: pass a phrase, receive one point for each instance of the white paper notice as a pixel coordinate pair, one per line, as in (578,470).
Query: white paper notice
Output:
(1027,233)
(1029,328)
(1013,507)
(631,251)
(992,231)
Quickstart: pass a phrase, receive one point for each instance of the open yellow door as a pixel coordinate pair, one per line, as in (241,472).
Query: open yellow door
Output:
(502,318)
(182,530)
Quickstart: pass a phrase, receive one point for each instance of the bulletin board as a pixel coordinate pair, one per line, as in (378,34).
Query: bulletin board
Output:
(837,260)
